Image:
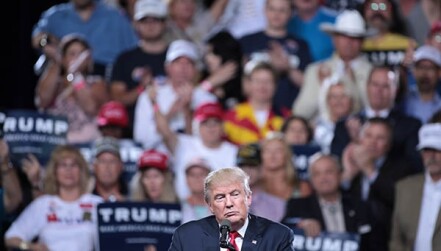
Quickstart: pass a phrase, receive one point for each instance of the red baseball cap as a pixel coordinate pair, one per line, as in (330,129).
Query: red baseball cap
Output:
(153,158)
(113,113)
(209,110)
(435,28)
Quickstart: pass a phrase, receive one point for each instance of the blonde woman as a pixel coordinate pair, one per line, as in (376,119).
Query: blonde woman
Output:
(153,182)
(279,175)
(64,217)
(337,100)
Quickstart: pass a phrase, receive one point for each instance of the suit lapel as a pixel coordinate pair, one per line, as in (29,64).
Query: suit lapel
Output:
(416,192)
(209,240)
(252,236)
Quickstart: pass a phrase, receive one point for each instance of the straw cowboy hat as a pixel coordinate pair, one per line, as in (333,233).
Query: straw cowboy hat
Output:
(349,23)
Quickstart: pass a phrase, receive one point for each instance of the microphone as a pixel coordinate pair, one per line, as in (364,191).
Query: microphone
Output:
(225,229)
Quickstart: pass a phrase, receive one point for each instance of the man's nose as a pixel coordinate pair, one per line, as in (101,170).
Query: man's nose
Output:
(229,201)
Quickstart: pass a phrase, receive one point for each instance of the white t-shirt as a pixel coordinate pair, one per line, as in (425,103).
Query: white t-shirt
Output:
(61,225)
(144,127)
(190,147)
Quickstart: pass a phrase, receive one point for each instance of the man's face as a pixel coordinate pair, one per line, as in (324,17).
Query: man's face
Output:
(108,168)
(325,176)
(150,28)
(375,138)
(426,75)
(432,162)
(381,89)
(348,48)
(82,4)
(181,70)
(229,201)
(182,9)
(378,14)
(278,13)
(306,5)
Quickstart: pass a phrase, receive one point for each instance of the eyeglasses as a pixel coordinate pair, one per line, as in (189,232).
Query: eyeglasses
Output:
(378,6)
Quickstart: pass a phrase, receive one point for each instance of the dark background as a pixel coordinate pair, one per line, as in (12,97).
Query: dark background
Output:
(17,88)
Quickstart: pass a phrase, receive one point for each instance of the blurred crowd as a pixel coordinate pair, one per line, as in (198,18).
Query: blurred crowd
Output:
(205,84)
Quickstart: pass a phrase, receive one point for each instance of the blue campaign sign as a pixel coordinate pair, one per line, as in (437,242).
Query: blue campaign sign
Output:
(325,241)
(129,150)
(32,132)
(137,226)
(301,154)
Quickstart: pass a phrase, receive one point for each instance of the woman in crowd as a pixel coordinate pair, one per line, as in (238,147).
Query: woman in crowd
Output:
(153,182)
(64,218)
(279,175)
(68,88)
(337,100)
(297,131)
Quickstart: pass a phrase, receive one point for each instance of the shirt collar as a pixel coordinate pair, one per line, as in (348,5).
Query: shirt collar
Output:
(370,113)
(243,229)
(436,185)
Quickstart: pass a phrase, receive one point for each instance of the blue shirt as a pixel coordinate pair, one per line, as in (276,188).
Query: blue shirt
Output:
(422,110)
(107,31)
(320,43)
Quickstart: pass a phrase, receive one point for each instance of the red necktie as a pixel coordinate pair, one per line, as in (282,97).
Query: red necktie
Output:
(233,236)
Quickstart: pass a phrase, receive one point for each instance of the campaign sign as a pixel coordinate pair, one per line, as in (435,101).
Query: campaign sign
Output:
(325,241)
(385,57)
(301,154)
(137,226)
(129,151)
(32,132)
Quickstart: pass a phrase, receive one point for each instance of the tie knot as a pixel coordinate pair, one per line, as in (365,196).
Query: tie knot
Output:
(234,235)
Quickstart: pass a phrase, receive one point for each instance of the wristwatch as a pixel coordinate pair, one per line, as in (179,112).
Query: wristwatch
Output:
(24,245)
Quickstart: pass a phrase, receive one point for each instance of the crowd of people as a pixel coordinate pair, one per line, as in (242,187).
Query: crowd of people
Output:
(331,108)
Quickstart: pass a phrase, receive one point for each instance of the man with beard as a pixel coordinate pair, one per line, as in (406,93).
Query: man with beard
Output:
(389,45)
(423,101)
(417,217)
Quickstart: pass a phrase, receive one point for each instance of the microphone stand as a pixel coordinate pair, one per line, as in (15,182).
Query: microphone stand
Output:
(227,245)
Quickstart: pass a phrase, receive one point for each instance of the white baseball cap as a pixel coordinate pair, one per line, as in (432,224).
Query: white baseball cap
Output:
(182,48)
(430,136)
(428,52)
(150,8)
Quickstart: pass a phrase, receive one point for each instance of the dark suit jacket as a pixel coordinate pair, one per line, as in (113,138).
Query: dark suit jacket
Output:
(261,234)
(381,196)
(355,212)
(405,136)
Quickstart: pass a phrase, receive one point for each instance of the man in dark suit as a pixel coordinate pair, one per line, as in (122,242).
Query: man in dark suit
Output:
(382,87)
(228,196)
(328,209)
(370,172)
